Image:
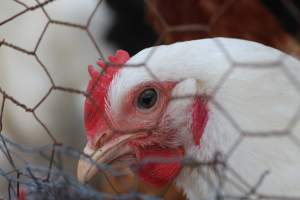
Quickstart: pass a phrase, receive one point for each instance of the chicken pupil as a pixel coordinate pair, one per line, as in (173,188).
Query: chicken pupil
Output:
(147,98)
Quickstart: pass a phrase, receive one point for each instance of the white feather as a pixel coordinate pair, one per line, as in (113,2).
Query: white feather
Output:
(256,97)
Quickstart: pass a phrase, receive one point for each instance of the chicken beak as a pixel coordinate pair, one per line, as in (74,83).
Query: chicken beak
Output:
(111,150)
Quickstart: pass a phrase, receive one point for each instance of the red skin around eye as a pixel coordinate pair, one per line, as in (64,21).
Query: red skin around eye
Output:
(133,118)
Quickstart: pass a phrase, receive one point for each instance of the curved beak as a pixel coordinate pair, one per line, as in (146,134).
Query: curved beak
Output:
(108,152)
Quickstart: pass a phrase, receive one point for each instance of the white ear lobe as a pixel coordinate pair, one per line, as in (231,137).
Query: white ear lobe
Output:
(186,88)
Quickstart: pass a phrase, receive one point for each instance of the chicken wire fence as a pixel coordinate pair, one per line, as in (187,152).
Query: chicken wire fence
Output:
(51,180)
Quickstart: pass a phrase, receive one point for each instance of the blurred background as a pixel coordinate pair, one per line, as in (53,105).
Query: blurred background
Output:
(47,45)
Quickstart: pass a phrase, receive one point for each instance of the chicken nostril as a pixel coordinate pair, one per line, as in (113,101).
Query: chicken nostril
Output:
(100,141)
(103,139)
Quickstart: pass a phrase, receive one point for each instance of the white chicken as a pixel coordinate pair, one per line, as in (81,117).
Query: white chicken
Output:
(232,98)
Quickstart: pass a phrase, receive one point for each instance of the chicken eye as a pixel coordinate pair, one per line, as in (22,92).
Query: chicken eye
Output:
(147,99)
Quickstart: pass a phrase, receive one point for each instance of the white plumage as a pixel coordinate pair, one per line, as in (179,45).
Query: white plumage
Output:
(252,92)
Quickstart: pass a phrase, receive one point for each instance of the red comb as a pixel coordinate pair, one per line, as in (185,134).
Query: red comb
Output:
(97,88)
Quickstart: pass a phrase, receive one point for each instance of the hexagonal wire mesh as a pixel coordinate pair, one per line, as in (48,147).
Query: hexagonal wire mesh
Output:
(51,178)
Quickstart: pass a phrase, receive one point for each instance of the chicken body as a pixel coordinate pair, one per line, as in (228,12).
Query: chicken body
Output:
(252,94)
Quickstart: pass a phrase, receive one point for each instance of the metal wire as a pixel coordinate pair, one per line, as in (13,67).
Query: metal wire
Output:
(52,182)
